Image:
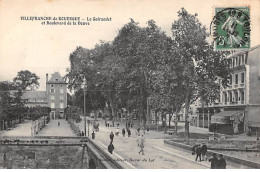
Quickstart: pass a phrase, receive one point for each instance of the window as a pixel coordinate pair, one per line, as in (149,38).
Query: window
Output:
(52,98)
(236,79)
(61,98)
(236,61)
(233,62)
(242,77)
(242,95)
(230,97)
(52,90)
(61,90)
(51,85)
(243,59)
(230,80)
(239,60)
(60,85)
(56,79)
(61,105)
(52,105)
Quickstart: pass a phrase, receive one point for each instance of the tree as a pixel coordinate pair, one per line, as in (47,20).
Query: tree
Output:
(27,80)
(198,64)
(141,50)
(74,113)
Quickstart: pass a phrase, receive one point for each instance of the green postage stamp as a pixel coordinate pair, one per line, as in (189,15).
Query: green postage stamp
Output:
(231,28)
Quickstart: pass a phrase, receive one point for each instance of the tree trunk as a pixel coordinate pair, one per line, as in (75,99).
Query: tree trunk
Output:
(176,123)
(176,127)
(187,104)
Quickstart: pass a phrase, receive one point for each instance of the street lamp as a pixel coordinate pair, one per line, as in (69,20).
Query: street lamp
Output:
(84,90)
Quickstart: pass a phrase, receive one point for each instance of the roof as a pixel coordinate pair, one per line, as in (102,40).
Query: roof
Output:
(56,79)
(34,95)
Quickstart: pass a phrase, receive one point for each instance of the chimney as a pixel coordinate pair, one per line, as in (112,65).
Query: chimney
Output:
(46,77)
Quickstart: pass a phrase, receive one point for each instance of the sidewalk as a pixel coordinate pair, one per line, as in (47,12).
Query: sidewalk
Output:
(23,129)
(52,129)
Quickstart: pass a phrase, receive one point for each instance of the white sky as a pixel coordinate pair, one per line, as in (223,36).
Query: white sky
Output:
(46,49)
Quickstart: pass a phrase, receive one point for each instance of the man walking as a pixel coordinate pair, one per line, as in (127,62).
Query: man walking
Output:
(198,152)
(111,148)
(123,132)
(222,162)
(111,136)
(214,162)
(129,132)
(140,141)
(204,149)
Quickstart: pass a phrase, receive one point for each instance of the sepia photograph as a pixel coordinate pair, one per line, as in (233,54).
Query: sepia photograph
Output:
(133,84)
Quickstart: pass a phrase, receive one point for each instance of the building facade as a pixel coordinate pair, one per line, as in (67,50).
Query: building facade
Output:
(238,107)
(35,98)
(56,91)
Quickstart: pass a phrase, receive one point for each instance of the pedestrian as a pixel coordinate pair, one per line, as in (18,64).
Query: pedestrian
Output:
(147,130)
(129,132)
(82,133)
(204,150)
(131,124)
(97,126)
(194,149)
(198,152)
(111,148)
(111,136)
(58,123)
(93,135)
(143,130)
(138,130)
(221,162)
(123,132)
(117,132)
(214,161)
(108,124)
(140,141)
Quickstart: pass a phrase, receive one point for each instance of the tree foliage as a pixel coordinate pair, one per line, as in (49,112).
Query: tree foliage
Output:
(27,80)
(143,63)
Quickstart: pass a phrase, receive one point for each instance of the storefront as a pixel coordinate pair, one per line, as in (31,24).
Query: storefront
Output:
(228,122)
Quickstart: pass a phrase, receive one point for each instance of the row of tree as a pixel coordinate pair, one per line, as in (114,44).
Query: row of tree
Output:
(12,109)
(143,66)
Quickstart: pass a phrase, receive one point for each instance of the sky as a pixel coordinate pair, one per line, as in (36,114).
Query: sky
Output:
(41,49)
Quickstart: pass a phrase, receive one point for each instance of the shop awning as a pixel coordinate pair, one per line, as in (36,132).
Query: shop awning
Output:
(225,117)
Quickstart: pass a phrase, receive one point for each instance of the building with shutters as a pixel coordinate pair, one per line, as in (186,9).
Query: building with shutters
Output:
(238,108)
(56,91)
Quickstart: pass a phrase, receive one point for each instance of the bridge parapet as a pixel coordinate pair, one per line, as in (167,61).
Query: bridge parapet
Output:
(53,152)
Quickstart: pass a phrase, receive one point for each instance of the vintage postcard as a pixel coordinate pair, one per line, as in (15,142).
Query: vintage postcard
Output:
(133,84)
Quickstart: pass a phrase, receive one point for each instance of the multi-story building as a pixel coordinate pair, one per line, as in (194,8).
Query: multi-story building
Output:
(35,98)
(56,91)
(238,107)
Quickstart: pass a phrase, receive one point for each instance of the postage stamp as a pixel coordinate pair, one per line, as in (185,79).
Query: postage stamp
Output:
(231,28)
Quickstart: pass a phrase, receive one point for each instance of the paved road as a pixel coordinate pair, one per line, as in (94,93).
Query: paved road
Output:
(52,129)
(23,129)
(157,155)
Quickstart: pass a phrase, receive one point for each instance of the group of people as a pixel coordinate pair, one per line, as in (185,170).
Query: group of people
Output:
(147,130)
(201,153)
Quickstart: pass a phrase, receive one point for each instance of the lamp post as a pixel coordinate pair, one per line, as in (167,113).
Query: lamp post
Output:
(85,120)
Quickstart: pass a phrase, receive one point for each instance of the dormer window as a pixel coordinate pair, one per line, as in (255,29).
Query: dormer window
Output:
(56,79)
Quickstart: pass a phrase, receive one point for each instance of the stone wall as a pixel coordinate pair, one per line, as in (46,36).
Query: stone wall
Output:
(41,157)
